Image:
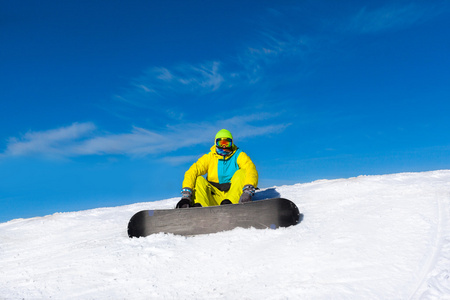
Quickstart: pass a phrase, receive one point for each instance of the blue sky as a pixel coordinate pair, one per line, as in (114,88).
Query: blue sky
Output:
(106,103)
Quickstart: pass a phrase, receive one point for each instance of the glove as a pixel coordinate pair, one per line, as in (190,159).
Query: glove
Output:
(186,198)
(247,193)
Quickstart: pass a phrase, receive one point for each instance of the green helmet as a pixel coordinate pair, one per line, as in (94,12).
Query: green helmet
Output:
(223,133)
(224,142)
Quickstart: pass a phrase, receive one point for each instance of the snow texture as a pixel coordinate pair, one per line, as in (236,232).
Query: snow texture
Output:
(371,237)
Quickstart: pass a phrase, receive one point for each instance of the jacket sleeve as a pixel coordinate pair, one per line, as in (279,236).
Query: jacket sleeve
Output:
(251,175)
(199,168)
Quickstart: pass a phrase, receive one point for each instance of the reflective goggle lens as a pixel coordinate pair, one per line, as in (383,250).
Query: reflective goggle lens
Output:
(224,143)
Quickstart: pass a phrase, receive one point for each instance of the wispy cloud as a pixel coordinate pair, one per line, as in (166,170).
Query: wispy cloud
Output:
(391,17)
(168,92)
(273,47)
(170,89)
(158,86)
(204,77)
(82,139)
(54,142)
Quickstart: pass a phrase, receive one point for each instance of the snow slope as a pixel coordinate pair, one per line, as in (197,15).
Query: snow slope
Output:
(372,237)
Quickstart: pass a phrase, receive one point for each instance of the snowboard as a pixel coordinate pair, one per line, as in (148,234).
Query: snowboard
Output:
(261,214)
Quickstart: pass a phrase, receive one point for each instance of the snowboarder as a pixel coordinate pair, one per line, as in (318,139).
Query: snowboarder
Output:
(231,176)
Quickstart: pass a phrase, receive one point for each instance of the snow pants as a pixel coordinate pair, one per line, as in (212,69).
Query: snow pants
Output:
(208,195)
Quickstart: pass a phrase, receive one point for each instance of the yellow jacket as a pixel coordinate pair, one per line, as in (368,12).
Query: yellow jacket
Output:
(221,169)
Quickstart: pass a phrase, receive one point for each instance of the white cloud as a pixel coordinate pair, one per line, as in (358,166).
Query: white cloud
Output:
(53,142)
(203,78)
(82,139)
(181,86)
(169,92)
(391,17)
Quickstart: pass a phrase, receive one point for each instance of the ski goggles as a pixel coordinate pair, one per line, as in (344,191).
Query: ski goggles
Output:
(224,143)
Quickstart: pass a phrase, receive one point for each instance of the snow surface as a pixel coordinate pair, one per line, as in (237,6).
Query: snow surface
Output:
(371,237)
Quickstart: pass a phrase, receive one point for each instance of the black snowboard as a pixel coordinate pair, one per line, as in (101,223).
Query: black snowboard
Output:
(270,213)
